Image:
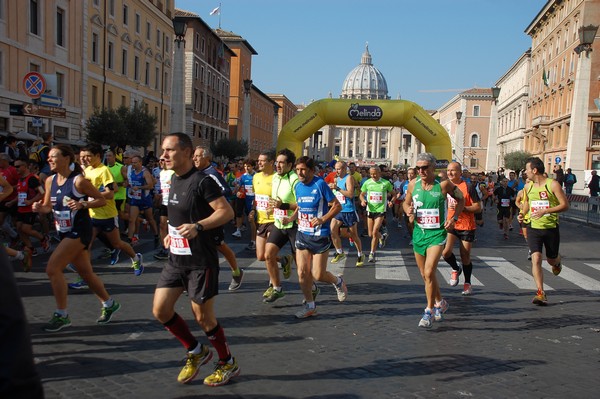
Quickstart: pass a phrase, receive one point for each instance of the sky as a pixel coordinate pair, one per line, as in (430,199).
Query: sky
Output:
(427,50)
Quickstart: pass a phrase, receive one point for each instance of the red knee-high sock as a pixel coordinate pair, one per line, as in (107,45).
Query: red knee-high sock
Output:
(179,328)
(216,336)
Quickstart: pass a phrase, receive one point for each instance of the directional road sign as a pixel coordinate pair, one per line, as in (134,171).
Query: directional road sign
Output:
(34,84)
(53,101)
(44,111)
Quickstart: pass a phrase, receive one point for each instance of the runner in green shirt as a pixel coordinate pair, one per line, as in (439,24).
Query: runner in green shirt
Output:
(374,196)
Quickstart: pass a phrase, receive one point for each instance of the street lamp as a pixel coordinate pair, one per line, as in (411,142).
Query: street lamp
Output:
(180,27)
(587,34)
(491,161)
(246,119)
(458,116)
(495,93)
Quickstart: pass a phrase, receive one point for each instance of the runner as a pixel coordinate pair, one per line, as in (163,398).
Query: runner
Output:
(140,182)
(425,204)
(411,175)
(503,196)
(316,207)
(343,189)
(165,177)
(374,196)
(193,264)
(543,199)
(64,195)
(244,203)
(464,228)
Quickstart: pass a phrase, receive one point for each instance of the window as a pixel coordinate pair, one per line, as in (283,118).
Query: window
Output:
(148,30)
(596,131)
(34,67)
(60,84)
(96,3)
(34,17)
(158,38)
(123,101)
(166,83)
(2,70)
(136,68)
(147,75)
(95,96)
(111,8)
(111,55)
(138,23)
(167,44)
(110,99)
(124,62)
(336,150)
(473,163)
(476,110)
(196,68)
(156,78)
(94,47)
(60,27)
(125,14)
(474,140)
(383,153)
(202,45)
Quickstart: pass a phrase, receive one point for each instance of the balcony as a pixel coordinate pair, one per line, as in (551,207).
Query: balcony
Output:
(540,120)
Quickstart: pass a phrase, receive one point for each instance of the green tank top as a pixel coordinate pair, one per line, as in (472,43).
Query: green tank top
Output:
(542,197)
(115,170)
(283,188)
(429,206)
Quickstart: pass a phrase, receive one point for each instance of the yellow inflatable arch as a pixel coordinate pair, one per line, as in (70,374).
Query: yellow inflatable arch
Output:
(355,112)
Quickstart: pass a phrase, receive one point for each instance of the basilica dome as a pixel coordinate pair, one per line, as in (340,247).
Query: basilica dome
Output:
(365,81)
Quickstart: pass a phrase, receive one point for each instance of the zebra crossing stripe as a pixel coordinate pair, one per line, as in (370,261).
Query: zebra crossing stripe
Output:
(391,268)
(579,279)
(512,273)
(593,265)
(446,271)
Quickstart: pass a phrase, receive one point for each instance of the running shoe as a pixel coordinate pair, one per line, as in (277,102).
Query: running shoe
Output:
(251,246)
(26,261)
(243,227)
(236,281)
(193,363)
(286,266)
(156,241)
(557,269)
(540,298)
(351,241)
(34,251)
(306,311)
(114,256)
(107,313)
(437,314)
(57,323)
(138,265)
(222,374)
(46,243)
(384,238)
(134,241)
(274,295)
(341,289)
(163,254)
(80,284)
(71,267)
(427,319)
(268,291)
(529,254)
(315,291)
(105,254)
(454,277)
(467,290)
(371,258)
(237,234)
(443,305)
(360,261)
(338,257)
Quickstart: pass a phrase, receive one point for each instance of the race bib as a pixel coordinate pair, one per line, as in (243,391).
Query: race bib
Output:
(505,202)
(304,223)
(179,245)
(279,213)
(375,197)
(428,218)
(540,204)
(165,188)
(136,194)
(262,202)
(249,189)
(62,221)
(340,197)
(21,199)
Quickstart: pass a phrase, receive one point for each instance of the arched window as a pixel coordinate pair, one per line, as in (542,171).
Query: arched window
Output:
(474,140)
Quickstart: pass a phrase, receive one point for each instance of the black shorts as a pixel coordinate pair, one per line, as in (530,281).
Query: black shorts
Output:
(503,212)
(11,210)
(201,284)
(549,238)
(463,235)
(313,244)
(348,219)
(375,215)
(263,230)
(106,225)
(163,210)
(81,231)
(27,217)
(240,207)
(280,236)
(119,203)
(218,236)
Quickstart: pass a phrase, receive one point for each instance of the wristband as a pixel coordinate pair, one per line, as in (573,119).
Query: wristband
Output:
(284,206)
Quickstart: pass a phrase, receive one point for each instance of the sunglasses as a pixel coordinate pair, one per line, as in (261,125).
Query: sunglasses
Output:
(422,168)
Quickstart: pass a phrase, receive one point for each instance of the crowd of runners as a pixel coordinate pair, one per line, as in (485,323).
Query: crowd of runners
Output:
(185,199)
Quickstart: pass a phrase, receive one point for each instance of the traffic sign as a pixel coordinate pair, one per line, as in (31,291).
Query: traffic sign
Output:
(15,109)
(44,111)
(34,84)
(53,101)
(37,122)
(557,160)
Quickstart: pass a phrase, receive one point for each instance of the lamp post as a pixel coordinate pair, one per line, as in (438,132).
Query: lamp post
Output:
(178,91)
(246,116)
(579,132)
(491,159)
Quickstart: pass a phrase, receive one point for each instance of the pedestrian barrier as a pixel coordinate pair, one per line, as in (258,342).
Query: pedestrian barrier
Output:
(583,209)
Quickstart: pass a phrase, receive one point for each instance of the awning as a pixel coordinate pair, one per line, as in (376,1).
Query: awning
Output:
(23,135)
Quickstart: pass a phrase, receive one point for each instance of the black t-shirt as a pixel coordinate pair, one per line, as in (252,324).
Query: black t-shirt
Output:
(190,196)
(504,194)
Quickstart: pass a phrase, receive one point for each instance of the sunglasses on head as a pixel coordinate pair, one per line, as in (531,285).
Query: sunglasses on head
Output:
(422,168)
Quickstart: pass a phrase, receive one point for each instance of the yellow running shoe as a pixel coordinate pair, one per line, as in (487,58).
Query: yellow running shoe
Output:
(222,374)
(192,365)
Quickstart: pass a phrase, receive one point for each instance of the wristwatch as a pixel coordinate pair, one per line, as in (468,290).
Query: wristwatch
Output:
(199,227)
(455,218)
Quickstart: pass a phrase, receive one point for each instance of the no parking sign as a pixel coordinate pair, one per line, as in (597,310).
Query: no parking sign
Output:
(34,84)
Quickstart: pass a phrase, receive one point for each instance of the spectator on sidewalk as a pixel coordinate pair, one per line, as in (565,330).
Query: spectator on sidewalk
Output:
(570,180)
(594,186)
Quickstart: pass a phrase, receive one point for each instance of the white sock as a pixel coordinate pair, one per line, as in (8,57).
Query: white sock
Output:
(108,303)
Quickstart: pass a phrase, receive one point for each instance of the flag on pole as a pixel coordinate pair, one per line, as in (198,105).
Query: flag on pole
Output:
(216,10)
(544,76)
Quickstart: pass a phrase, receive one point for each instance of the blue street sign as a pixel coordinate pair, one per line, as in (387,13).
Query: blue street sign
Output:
(37,122)
(53,101)
(557,160)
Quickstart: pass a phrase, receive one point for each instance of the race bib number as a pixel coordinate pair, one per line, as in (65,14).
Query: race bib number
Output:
(505,202)
(428,218)
(62,221)
(540,204)
(279,213)
(136,194)
(340,197)
(21,199)
(249,189)
(304,224)
(376,197)
(179,245)
(262,202)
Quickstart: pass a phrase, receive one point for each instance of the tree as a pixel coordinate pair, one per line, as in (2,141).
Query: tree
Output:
(122,127)
(229,148)
(516,160)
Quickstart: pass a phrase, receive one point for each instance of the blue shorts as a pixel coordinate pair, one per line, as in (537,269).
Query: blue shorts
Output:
(105,225)
(348,219)
(142,204)
(313,244)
